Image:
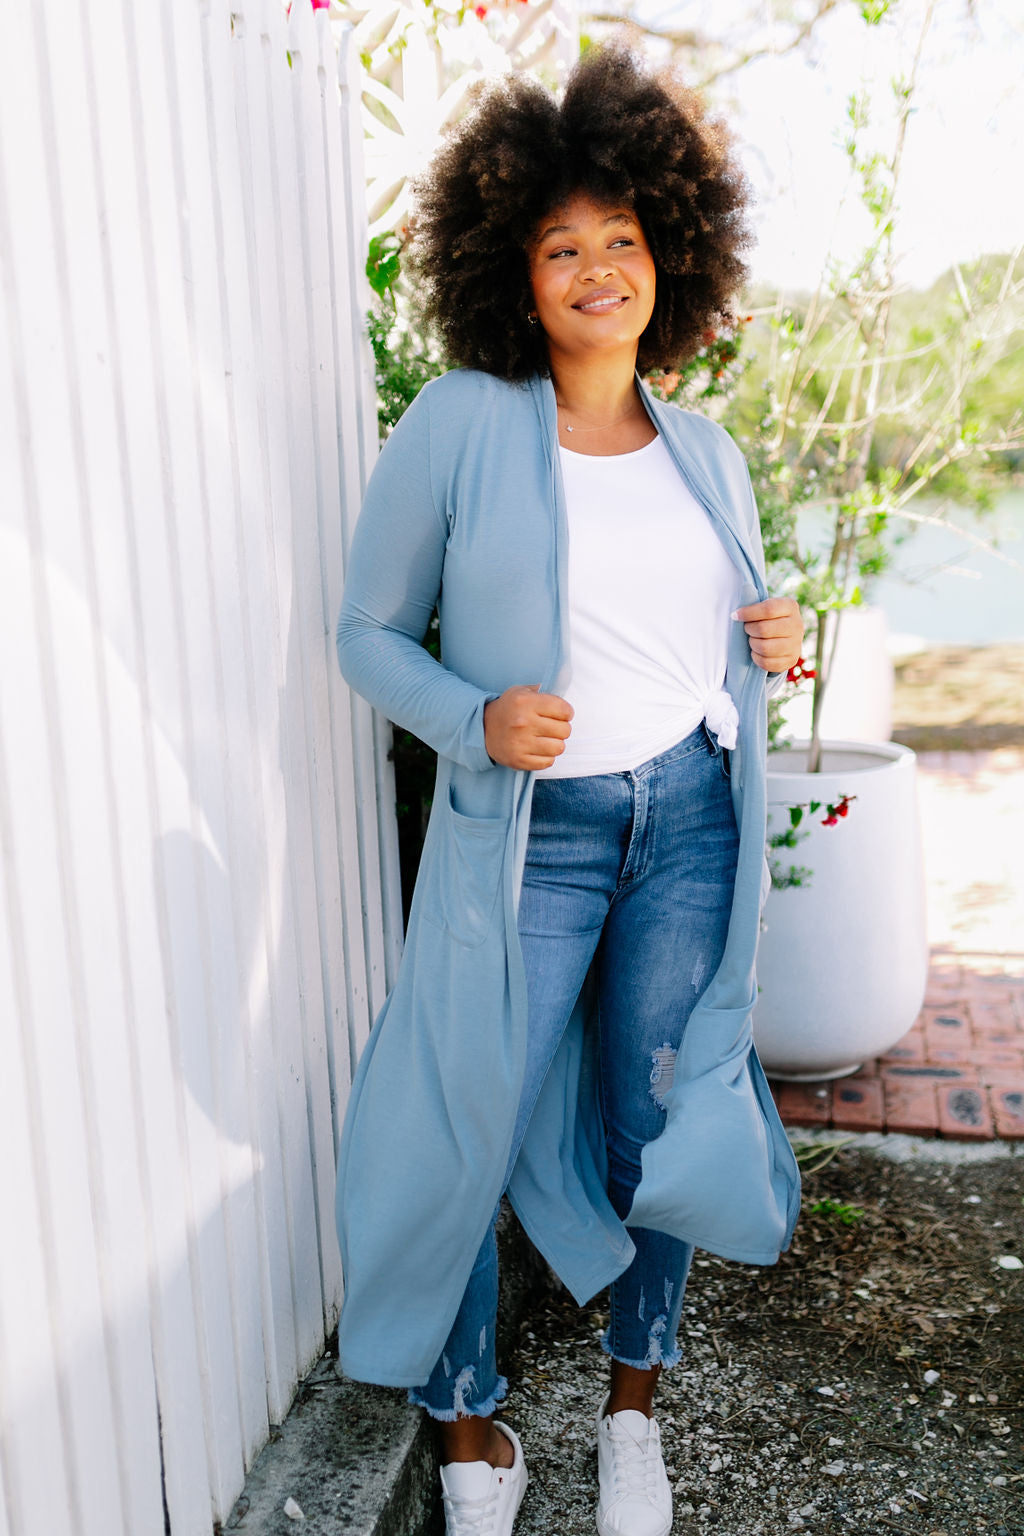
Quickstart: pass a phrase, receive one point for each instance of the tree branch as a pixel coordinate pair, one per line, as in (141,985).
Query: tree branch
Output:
(696,43)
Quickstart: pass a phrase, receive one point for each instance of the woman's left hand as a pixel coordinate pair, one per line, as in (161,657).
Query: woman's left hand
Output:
(776,632)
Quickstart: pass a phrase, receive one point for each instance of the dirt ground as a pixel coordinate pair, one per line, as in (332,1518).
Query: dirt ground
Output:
(872,1382)
(960,697)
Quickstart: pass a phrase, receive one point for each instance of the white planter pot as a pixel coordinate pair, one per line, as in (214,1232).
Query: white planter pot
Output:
(858,700)
(843,959)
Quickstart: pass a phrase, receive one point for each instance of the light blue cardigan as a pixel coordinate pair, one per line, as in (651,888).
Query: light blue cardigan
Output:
(465,508)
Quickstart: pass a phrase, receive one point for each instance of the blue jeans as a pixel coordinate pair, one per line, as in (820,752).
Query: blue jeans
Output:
(634,872)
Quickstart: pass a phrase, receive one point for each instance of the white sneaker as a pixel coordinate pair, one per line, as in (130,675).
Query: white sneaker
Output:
(481,1500)
(635,1498)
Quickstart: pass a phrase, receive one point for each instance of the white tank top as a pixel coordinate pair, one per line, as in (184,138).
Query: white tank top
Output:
(651,591)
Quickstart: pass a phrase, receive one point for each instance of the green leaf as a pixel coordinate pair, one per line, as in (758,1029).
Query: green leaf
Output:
(383,264)
(796,815)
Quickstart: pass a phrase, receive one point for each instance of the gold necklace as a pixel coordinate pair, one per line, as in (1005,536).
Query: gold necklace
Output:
(604,427)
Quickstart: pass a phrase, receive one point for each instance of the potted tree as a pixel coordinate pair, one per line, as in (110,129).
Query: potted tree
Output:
(869,416)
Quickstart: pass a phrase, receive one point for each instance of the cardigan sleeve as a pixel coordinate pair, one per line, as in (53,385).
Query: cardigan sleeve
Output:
(391,587)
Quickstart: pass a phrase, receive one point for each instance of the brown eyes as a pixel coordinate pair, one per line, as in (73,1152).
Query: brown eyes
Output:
(570,250)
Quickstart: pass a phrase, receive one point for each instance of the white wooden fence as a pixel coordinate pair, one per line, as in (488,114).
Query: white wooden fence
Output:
(198,899)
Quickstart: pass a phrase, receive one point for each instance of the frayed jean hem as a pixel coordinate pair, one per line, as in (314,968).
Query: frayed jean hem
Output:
(476,1411)
(655,1355)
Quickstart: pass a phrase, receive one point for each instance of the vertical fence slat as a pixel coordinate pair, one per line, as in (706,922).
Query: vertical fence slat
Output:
(292,442)
(6,1519)
(364,747)
(304,663)
(290,87)
(247,396)
(313,288)
(220,255)
(347,429)
(29,1398)
(359,289)
(30,1404)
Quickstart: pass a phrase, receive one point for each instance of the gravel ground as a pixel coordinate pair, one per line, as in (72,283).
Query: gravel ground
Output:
(869,1383)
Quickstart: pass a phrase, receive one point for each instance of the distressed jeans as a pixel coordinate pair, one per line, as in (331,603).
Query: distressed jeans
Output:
(632,872)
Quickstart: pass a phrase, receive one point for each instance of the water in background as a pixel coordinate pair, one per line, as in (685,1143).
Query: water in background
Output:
(943,589)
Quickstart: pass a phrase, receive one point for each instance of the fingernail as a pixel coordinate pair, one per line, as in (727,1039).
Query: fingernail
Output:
(735,615)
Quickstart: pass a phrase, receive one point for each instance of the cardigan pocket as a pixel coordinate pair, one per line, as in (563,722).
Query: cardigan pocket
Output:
(465,874)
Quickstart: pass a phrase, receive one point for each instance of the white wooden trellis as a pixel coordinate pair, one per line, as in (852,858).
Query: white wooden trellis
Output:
(198,895)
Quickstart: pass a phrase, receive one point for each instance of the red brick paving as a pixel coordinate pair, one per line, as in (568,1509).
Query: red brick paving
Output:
(857,1106)
(1008,1105)
(964,1111)
(804,1103)
(911,1107)
(959,1072)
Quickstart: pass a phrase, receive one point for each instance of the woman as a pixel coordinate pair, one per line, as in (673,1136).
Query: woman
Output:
(577,982)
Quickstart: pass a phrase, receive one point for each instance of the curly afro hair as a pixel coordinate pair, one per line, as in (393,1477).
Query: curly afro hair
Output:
(621,134)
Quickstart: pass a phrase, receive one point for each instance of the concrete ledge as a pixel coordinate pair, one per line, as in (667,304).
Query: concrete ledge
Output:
(358,1460)
(355,1459)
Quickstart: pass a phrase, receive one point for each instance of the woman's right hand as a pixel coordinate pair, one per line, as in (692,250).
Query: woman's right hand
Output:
(525,728)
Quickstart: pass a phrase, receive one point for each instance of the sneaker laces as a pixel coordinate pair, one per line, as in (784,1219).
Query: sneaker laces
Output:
(635,1463)
(471,1517)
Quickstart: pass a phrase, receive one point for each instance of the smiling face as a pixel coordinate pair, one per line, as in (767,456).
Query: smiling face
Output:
(593,279)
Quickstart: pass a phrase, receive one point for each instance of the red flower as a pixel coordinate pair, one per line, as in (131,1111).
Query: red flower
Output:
(800,672)
(841,808)
(480,10)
